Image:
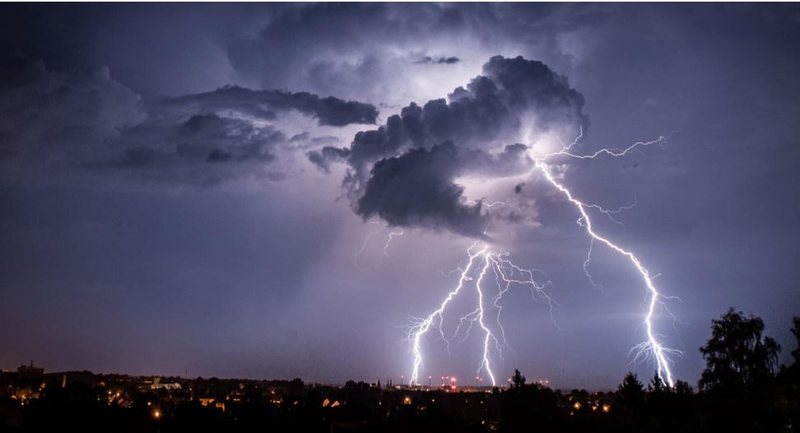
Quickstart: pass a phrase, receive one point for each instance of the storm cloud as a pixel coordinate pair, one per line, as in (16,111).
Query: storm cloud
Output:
(416,189)
(43,113)
(90,120)
(428,60)
(263,104)
(404,172)
(383,52)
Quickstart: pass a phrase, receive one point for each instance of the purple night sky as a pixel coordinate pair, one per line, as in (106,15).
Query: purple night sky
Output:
(211,188)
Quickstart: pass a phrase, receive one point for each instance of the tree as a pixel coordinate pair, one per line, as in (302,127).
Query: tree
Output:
(738,355)
(791,373)
(631,391)
(683,388)
(518,380)
(657,386)
(796,333)
(524,406)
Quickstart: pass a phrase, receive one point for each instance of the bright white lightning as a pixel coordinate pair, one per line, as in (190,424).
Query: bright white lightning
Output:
(507,274)
(485,364)
(652,345)
(419,329)
(480,262)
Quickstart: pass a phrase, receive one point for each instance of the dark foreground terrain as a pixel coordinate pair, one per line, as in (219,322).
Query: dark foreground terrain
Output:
(741,390)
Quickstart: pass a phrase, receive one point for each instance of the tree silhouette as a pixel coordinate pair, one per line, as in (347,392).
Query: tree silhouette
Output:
(518,380)
(791,373)
(525,405)
(631,391)
(738,355)
(657,386)
(683,388)
(796,333)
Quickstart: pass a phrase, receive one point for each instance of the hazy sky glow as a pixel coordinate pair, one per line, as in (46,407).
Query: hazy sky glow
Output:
(210,187)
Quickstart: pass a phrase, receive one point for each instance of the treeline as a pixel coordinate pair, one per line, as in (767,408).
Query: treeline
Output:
(742,389)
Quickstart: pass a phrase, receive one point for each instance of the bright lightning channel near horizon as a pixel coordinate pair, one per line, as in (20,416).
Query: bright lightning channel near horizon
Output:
(484,262)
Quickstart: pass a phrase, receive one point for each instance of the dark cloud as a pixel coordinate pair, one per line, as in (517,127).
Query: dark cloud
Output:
(478,122)
(43,113)
(324,32)
(322,158)
(264,103)
(487,113)
(416,189)
(428,60)
(217,155)
(90,120)
(204,149)
(363,50)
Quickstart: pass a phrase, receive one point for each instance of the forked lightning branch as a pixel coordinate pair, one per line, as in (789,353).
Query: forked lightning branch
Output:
(487,268)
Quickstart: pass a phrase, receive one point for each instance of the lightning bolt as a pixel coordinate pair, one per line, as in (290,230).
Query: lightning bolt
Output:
(652,346)
(482,260)
(421,327)
(389,239)
(364,244)
(485,364)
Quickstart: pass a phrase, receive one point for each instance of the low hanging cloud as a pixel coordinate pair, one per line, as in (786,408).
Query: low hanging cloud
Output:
(324,157)
(264,104)
(428,60)
(94,122)
(405,171)
(416,189)
(205,149)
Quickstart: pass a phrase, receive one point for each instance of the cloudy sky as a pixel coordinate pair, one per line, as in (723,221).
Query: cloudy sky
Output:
(211,188)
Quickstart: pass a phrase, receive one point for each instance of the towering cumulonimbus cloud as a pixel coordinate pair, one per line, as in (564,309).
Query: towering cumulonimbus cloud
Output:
(405,171)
